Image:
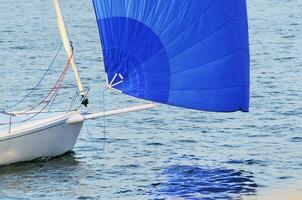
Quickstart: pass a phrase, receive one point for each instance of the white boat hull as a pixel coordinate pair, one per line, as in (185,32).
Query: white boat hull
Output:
(49,136)
(44,140)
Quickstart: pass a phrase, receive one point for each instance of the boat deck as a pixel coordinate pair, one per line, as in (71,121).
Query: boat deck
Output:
(21,122)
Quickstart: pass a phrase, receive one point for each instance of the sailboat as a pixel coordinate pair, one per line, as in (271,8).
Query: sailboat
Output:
(187,53)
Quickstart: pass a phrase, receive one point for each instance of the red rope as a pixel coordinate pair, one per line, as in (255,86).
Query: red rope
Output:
(55,89)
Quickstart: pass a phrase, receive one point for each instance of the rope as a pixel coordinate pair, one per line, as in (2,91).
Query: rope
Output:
(51,94)
(54,89)
(39,82)
(95,146)
(90,137)
(104,122)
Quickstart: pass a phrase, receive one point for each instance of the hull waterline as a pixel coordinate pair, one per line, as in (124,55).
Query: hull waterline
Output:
(50,136)
(45,140)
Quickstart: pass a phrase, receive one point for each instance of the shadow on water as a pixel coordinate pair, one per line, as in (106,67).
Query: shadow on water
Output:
(43,178)
(64,161)
(192,182)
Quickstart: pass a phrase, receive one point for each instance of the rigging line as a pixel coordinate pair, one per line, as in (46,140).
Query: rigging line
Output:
(45,89)
(44,75)
(55,96)
(74,98)
(104,122)
(95,146)
(54,89)
(57,92)
(57,89)
(88,133)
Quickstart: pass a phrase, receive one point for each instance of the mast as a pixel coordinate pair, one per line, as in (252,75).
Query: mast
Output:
(68,47)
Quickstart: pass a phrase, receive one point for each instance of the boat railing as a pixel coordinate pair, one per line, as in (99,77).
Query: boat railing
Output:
(71,108)
(78,94)
(10,115)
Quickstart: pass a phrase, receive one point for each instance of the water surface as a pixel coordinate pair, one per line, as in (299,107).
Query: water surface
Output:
(167,151)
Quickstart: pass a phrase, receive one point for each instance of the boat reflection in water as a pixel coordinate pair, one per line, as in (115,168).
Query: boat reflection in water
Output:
(63,171)
(193,182)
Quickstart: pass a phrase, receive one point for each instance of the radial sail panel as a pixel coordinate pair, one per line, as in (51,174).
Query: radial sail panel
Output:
(187,53)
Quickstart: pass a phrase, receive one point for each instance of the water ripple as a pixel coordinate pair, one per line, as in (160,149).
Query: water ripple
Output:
(192,182)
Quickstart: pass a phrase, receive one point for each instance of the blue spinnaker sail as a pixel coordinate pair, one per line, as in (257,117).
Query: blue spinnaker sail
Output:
(188,53)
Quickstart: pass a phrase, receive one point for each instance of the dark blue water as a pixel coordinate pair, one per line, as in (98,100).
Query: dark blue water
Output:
(166,152)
